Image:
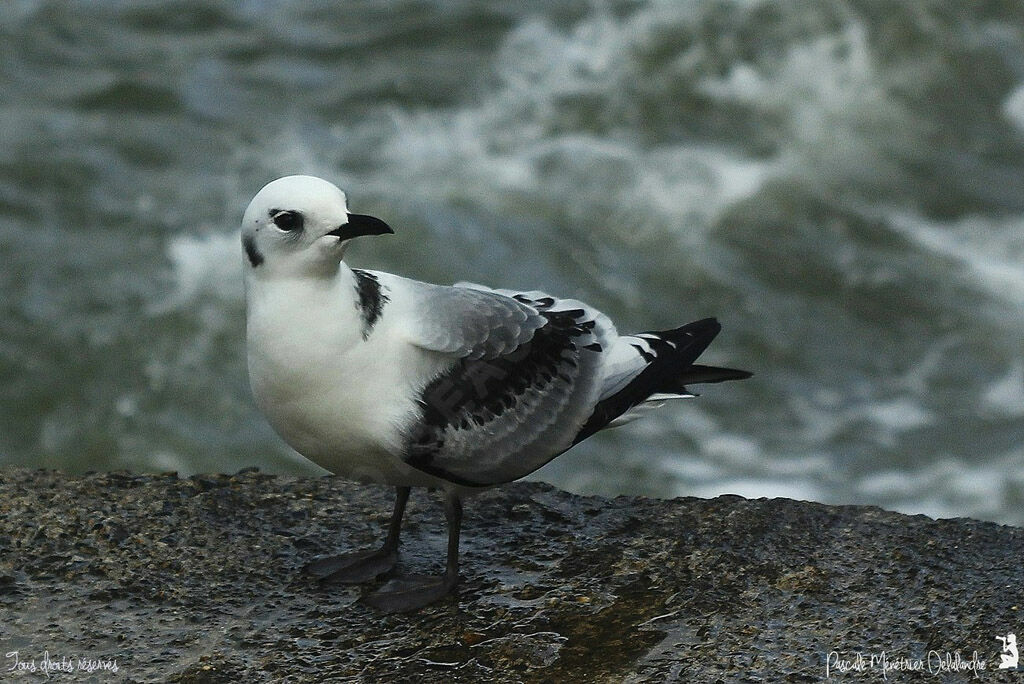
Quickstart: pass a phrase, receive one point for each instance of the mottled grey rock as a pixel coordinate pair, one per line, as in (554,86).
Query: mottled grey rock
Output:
(198,580)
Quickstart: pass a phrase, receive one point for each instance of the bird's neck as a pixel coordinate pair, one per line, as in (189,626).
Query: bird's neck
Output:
(305,305)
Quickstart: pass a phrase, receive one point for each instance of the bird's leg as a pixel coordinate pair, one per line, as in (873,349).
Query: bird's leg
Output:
(412,592)
(362,566)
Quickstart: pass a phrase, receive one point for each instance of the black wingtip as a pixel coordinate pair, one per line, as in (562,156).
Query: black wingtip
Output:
(669,369)
(703,330)
(699,335)
(698,374)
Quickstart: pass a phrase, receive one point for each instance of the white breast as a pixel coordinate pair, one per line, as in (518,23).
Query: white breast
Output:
(337,399)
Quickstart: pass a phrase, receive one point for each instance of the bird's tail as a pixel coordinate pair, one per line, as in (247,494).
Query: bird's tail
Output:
(651,367)
(675,351)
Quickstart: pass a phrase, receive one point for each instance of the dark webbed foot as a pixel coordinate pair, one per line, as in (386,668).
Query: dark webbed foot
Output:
(353,568)
(412,592)
(363,566)
(401,594)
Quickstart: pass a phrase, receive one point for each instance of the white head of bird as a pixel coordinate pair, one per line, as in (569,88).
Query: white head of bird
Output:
(299,226)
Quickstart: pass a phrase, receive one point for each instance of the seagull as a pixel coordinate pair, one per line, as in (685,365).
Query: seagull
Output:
(382,379)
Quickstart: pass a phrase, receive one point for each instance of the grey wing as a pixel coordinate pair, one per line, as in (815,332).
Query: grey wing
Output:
(509,401)
(471,322)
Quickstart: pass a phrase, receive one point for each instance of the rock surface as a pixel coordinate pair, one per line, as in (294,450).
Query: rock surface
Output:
(198,580)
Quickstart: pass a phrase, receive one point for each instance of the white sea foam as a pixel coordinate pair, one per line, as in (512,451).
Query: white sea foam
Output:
(949,487)
(733,450)
(838,119)
(886,418)
(1004,396)
(690,469)
(952,487)
(889,484)
(1013,107)
(208,265)
(895,416)
(988,252)
(527,135)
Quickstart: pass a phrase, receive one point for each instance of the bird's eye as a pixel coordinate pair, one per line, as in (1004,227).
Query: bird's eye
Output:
(287,220)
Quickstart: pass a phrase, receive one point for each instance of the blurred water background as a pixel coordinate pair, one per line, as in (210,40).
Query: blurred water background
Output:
(841,182)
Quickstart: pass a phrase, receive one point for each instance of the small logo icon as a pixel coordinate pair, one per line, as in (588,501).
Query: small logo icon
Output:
(1008,658)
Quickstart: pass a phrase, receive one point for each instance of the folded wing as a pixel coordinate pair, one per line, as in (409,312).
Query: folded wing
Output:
(530,375)
(524,376)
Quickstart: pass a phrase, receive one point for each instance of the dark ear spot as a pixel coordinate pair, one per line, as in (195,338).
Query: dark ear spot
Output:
(255,257)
